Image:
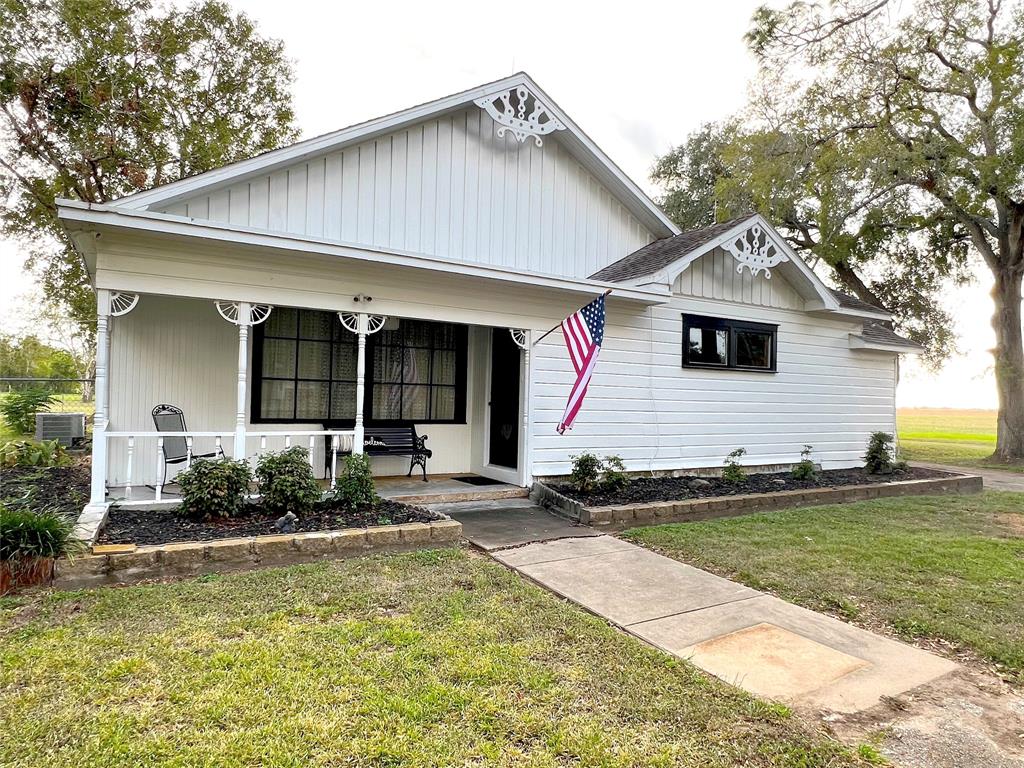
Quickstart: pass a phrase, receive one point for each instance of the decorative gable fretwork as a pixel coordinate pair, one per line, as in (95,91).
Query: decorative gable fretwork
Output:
(754,250)
(520,111)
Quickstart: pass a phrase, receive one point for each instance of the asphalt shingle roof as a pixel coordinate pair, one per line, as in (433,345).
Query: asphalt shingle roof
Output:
(881,333)
(659,254)
(852,302)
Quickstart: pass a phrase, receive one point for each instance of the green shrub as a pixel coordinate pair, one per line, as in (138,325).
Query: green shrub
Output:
(733,473)
(805,469)
(214,489)
(586,469)
(353,488)
(29,534)
(28,453)
(19,409)
(614,477)
(286,481)
(879,459)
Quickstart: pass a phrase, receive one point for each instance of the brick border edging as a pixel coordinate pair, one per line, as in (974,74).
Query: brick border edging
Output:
(627,515)
(198,557)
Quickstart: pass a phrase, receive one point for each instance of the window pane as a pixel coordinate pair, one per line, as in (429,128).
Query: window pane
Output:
(281,322)
(709,346)
(344,362)
(388,364)
(443,405)
(444,367)
(417,334)
(316,325)
(387,401)
(277,400)
(343,401)
(414,403)
(417,366)
(753,349)
(312,403)
(278,357)
(314,360)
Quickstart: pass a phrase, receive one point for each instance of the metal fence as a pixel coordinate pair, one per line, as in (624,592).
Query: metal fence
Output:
(71,395)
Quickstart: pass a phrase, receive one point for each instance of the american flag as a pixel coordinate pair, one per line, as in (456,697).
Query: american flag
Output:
(583,332)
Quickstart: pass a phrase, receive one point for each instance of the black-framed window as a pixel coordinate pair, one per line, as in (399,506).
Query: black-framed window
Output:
(304,366)
(715,342)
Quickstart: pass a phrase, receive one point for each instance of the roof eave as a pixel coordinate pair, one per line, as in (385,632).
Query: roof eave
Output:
(909,348)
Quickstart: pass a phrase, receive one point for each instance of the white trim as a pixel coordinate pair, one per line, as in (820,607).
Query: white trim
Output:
(167,224)
(632,195)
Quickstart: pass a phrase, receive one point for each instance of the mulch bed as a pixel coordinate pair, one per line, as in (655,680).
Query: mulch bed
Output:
(64,489)
(644,489)
(163,526)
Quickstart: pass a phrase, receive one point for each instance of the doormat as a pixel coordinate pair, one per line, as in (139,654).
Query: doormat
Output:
(477,480)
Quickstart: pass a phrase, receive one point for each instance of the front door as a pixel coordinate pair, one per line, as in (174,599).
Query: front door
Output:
(504,400)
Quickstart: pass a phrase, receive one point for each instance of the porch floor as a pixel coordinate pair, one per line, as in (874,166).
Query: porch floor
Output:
(439,489)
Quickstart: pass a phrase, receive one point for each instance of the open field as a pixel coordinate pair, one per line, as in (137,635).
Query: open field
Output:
(429,659)
(949,436)
(946,568)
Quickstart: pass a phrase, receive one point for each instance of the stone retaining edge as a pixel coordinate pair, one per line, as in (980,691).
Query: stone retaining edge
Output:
(192,558)
(657,512)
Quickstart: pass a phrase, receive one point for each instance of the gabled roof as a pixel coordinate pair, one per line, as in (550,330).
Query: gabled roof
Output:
(846,301)
(655,256)
(575,140)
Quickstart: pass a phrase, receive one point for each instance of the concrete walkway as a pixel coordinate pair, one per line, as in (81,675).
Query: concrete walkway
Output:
(756,641)
(995,479)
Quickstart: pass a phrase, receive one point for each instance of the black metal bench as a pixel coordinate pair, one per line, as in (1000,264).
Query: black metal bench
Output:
(392,441)
(398,441)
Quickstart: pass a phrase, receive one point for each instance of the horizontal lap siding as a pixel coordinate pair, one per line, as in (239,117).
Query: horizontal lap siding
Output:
(447,187)
(643,406)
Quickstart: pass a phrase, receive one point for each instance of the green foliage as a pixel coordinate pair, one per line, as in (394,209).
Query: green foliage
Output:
(586,469)
(28,453)
(28,533)
(614,477)
(733,473)
(29,357)
(804,469)
(19,408)
(354,487)
(104,98)
(879,457)
(213,489)
(286,481)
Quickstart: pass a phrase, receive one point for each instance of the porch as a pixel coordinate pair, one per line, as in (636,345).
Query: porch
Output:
(252,378)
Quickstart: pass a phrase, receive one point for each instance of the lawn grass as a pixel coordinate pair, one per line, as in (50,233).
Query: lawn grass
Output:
(427,659)
(939,567)
(66,403)
(964,437)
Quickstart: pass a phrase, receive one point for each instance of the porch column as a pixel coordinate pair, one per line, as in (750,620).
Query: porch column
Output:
(98,486)
(523,339)
(243,314)
(362,325)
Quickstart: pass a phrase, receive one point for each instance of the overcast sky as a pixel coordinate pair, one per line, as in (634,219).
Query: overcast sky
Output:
(636,80)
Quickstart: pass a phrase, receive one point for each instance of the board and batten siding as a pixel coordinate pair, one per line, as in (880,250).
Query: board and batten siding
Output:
(180,351)
(447,187)
(714,276)
(644,406)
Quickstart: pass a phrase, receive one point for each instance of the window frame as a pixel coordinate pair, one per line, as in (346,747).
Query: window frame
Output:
(257,378)
(730,327)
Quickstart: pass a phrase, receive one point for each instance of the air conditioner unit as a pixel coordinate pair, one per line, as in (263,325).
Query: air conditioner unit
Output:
(67,428)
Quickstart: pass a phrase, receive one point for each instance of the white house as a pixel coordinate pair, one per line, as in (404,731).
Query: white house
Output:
(400,272)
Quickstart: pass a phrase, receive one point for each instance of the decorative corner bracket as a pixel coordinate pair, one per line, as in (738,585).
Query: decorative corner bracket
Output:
(520,111)
(232,312)
(122,303)
(351,321)
(518,337)
(754,250)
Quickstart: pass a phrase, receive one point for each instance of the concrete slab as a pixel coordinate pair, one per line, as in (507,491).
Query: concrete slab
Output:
(891,667)
(560,549)
(633,585)
(511,523)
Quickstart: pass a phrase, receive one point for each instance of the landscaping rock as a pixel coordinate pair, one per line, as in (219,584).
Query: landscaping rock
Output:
(698,484)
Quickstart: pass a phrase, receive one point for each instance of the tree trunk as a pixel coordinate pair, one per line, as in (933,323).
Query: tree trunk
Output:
(1009,364)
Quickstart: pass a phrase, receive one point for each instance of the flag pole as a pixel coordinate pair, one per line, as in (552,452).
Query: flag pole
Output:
(552,330)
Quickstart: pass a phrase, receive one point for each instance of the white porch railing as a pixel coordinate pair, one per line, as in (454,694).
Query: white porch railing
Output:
(147,448)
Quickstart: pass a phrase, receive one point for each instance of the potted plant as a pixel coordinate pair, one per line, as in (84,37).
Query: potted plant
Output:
(30,544)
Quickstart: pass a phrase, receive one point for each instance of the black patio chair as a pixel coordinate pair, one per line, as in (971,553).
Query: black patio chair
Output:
(170,418)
